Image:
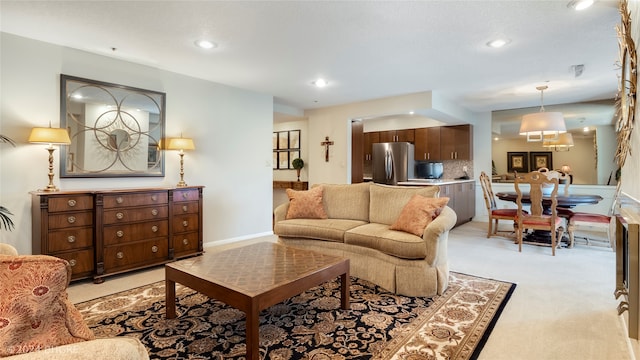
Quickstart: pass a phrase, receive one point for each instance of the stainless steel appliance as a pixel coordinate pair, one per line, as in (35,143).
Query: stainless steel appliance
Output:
(392,162)
(429,170)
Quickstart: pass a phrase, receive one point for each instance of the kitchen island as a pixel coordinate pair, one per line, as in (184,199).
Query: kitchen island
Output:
(461,194)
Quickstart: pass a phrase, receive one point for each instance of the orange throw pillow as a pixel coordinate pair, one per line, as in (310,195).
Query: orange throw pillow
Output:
(418,213)
(306,204)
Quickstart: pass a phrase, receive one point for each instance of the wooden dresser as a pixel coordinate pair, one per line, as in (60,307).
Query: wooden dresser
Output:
(107,232)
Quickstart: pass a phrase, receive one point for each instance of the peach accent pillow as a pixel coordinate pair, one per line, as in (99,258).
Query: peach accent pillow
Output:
(306,204)
(418,213)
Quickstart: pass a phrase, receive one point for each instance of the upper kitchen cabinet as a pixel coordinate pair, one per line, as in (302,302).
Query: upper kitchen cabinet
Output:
(427,143)
(370,138)
(406,135)
(456,142)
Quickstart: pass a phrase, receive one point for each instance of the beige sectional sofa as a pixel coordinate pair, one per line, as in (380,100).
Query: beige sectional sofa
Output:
(359,217)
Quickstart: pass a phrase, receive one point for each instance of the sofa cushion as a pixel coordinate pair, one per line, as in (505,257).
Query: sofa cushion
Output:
(346,201)
(418,213)
(306,204)
(380,237)
(387,201)
(321,229)
(35,313)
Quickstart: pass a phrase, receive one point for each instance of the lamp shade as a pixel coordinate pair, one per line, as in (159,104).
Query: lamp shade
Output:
(564,141)
(49,135)
(180,144)
(538,126)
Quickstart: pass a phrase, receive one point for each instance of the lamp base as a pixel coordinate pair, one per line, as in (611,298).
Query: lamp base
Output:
(50,188)
(181,184)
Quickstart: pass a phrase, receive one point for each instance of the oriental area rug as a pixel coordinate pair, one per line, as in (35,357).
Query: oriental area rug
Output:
(379,325)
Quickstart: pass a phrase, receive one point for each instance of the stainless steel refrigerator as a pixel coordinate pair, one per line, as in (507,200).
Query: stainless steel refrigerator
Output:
(392,162)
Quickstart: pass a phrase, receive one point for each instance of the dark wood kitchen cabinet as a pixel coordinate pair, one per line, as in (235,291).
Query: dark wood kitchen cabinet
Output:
(456,142)
(427,143)
(109,232)
(405,135)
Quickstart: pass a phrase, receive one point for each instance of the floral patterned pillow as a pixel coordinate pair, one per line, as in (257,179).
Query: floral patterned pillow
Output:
(35,313)
(306,204)
(418,213)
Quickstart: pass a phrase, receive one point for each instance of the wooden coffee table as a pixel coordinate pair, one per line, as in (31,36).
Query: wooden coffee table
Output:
(254,277)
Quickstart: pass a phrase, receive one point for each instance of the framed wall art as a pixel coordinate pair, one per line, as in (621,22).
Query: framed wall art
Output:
(286,148)
(517,161)
(541,159)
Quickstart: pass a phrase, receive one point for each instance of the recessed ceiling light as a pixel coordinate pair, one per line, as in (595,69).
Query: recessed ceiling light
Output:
(585,129)
(205,44)
(498,43)
(580,4)
(411,112)
(320,83)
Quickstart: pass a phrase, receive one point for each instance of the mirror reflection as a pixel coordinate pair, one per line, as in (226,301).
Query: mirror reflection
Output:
(115,130)
(590,159)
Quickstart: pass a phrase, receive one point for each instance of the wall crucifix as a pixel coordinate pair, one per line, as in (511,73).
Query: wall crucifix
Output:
(326,143)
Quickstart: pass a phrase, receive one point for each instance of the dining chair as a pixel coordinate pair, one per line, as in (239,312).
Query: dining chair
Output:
(495,214)
(541,217)
(574,218)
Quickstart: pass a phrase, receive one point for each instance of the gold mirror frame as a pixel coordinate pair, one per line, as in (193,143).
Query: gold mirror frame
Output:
(115,130)
(626,102)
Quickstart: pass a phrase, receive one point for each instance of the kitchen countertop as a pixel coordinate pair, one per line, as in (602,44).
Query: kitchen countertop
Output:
(427,182)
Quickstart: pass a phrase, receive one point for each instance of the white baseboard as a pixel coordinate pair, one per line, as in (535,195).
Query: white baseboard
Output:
(236,239)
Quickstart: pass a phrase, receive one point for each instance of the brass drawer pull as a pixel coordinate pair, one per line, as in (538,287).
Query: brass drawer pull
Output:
(185,195)
(185,208)
(154,212)
(154,228)
(185,223)
(185,241)
(73,262)
(71,219)
(119,200)
(119,216)
(119,254)
(154,197)
(71,239)
(154,249)
(71,203)
(119,233)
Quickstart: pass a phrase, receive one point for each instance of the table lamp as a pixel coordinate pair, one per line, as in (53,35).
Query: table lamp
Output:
(180,144)
(51,136)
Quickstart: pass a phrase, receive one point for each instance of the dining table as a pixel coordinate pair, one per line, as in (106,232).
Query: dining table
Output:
(565,202)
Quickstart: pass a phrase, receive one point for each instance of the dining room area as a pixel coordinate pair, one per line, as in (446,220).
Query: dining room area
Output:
(577,140)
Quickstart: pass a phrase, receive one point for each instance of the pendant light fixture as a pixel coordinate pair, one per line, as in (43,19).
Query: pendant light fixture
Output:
(542,125)
(564,142)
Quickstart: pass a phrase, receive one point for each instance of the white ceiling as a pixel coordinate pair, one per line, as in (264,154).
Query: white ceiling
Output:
(365,49)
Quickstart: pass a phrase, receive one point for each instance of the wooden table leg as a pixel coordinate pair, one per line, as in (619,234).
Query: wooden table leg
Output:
(170,300)
(253,335)
(345,285)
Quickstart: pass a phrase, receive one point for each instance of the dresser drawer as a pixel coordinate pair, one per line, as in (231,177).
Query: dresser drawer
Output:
(185,244)
(81,261)
(119,234)
(70,203)
(130,255)
(186,195)
(137,199)
(186,208)
(116,216)
(70,219)
(183,223)
(68,239)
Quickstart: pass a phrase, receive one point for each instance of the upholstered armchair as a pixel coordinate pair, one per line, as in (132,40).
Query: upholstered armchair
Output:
(37,320)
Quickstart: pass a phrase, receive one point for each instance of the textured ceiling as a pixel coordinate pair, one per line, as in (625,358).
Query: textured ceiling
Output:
(365,50)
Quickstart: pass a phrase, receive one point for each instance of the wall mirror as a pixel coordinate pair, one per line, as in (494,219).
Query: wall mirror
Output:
(115,130)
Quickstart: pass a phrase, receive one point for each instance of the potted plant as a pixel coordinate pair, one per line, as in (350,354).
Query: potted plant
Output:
(5,214)
(298,164)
